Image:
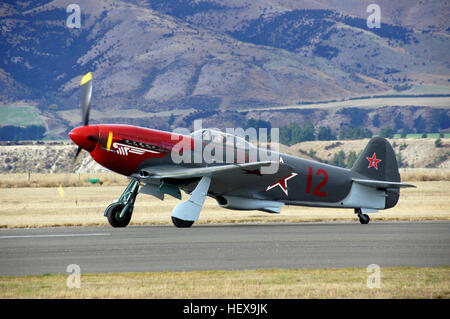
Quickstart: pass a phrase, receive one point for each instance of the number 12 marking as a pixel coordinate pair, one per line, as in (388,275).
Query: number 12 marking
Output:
(317,191)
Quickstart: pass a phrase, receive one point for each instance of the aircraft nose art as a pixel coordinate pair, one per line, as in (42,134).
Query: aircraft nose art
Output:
(85,137)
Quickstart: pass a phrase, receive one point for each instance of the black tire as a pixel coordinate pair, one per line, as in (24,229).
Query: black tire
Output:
(113,213)
(364,219)
(180,223)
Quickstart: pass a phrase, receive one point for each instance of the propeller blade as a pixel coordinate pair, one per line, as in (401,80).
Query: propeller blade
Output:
(86,94)
(76,156)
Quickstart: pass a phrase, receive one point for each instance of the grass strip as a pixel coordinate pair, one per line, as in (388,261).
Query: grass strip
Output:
(395,282)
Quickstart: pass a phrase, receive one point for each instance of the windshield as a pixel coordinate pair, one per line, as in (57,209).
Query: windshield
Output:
(209,135)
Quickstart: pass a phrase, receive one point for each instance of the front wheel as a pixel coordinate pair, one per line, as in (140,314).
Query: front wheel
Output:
(180,223)
(113,214)
(364,219)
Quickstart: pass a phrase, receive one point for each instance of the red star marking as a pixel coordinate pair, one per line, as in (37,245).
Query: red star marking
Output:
(282,183)
(373,161)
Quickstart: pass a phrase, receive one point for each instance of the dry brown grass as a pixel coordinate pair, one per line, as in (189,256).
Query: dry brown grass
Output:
(56,179)
(425,174)
(113,179)
(397,282)
(41,207)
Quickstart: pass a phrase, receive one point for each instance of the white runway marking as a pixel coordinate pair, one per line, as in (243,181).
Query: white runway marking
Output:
(52,236)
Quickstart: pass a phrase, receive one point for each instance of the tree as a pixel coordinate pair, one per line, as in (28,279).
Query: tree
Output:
(403,133)
(376,120)
(400,160)
(387,132)
(348,133)
(296,133)
(290,134)
(285,135)
(307,133)
(325,134)
(438,142)
(420,124)
(398,122)
(351,159)
(444,120)
(257,125)
(339,159)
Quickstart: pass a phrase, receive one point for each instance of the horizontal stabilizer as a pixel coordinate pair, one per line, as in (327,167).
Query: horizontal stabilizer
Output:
(381,184)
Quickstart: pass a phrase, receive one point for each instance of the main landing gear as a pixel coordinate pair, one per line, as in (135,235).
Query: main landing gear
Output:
(119,213)
(183,215)
(180,223)
(187,212)
(363,218)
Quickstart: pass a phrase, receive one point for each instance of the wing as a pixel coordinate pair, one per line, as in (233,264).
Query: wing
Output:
(179,172)
(233,179)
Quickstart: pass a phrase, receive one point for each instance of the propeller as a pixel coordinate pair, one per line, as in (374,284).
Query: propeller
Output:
(85,136)
(86,94)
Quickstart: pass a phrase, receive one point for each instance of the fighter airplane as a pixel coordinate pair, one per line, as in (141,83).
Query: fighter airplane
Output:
(237,177)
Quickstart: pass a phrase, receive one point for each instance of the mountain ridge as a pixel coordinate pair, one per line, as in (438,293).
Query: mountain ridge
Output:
(191,57)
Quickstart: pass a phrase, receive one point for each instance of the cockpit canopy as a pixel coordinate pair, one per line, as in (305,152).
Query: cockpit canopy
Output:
(215,136)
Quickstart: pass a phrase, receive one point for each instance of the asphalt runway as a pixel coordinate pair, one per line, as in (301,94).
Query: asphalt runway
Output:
(230,247)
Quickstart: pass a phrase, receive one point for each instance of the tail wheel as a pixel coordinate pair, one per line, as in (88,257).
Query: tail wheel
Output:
(180,223)
(364,218)
(113,215)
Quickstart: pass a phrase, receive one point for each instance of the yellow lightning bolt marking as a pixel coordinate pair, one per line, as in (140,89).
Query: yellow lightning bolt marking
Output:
(110,138)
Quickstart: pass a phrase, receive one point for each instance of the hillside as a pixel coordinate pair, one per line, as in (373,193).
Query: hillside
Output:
(208,59)
(48,157)
(415,153)
(21,122)
(56,157)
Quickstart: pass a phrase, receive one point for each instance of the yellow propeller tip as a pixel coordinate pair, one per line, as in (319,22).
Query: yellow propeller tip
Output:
(86,78)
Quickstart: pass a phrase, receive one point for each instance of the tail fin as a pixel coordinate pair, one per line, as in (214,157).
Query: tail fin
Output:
(377,162)
(377,167)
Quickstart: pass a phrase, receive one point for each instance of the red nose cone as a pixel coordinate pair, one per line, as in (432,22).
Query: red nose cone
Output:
(85,137)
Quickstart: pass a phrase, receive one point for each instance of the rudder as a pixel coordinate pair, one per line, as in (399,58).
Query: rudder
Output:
(378,162)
